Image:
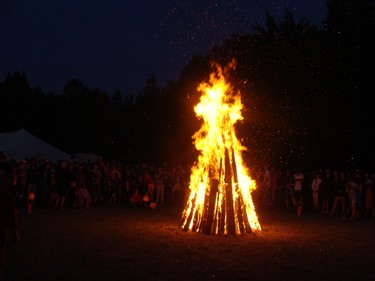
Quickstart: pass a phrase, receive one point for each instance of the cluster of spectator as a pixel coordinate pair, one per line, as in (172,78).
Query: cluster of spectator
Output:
(348,193)
(38,182)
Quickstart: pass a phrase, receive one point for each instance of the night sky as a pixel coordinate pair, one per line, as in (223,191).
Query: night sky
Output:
(118,44)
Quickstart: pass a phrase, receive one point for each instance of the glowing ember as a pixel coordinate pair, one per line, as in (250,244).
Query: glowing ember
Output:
(220,188)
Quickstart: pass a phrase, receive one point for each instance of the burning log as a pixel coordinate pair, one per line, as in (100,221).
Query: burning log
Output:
(229,195)
(242,219)
(208,217)
(220,189)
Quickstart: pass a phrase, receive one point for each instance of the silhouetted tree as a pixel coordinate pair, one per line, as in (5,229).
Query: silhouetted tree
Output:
(307,95)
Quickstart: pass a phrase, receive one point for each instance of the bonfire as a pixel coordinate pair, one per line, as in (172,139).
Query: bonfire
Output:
(220,186)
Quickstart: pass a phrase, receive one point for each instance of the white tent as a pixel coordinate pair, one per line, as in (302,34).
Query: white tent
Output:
(85,157)
(20,144)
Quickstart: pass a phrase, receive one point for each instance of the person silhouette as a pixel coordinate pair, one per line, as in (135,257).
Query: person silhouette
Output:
(9,233)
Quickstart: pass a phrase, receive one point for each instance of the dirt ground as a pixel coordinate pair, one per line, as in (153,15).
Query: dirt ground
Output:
(116,243)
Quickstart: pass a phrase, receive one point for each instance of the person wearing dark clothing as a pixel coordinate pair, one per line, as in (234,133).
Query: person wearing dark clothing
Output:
(62,178)
(32,184)
(8,221)
(325,191)
(339,192)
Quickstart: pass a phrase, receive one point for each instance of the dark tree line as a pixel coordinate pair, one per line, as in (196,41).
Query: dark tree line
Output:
(307,93)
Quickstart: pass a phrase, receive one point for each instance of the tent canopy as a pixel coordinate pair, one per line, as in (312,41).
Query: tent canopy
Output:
(85,157)
(21,144)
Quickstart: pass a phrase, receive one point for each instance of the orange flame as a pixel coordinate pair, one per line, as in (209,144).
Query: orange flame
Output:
(220,199)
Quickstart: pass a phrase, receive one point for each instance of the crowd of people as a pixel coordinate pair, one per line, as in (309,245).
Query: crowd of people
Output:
(41,183)
(347,193)
(38,182)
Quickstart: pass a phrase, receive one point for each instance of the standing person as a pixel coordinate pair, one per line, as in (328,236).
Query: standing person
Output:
(315,186)
(266,186)
(62,178)
(325,191)
(167,182)
(52,190)
(96,178)
(127,182)
(299,180)
(286,182)
(352,187)
(44,173)
(369,196)
(81,192)
(160,187)
(274,186)
(339,182)
(150,182)
(8,220)
(21,184)
(32,185)
(115,178)
(176,189)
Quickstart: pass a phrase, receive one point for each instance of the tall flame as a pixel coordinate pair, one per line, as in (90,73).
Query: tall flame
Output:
(220,199)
